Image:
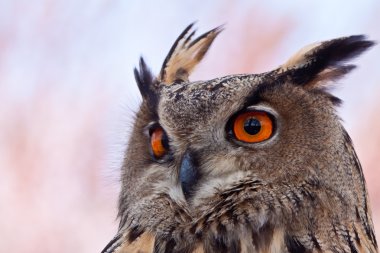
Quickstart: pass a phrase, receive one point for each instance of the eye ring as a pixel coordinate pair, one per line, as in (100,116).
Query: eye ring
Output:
(159,143)
(252,126)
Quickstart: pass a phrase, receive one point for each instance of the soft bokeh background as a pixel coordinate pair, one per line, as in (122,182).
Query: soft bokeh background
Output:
(67,97)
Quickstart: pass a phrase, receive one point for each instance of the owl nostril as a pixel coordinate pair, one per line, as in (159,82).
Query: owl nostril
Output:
(188,174)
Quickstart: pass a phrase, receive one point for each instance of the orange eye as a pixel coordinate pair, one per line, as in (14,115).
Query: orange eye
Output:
(158,142)
(253,126)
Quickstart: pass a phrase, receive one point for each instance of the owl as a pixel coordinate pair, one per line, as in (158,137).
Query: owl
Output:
(243,163)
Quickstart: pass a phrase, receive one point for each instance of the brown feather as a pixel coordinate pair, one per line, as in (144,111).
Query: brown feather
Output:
(143,244)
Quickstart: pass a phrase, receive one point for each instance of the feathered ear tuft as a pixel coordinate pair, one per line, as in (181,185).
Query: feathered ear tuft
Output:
(185,54)
(319,63)
(145,82)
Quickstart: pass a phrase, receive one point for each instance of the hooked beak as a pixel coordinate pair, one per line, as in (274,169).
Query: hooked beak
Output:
(188,174)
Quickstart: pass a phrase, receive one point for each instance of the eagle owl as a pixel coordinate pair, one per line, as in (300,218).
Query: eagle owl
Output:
(243,163)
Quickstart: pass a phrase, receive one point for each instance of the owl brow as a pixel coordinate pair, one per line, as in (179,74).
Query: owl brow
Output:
(255,95)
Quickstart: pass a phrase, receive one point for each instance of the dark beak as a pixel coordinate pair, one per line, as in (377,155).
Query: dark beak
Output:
(189,174)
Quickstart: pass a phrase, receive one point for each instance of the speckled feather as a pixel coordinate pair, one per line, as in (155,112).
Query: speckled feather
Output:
(303,190)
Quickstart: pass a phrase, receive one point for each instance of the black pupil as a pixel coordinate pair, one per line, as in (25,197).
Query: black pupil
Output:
(165,141)
(252,126)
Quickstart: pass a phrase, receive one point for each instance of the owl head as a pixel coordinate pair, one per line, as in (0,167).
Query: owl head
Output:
(243,163)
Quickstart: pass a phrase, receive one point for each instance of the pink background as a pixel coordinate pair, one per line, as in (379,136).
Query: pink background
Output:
(67,97)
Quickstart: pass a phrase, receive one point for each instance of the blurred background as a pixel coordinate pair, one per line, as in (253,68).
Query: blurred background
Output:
(68,96)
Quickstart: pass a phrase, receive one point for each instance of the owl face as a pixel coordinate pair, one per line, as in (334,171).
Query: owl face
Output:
(209,123)
(243,163)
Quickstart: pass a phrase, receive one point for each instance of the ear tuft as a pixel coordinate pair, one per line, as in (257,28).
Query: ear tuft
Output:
(143,76)
(185,54)
(145,82)
(322,62)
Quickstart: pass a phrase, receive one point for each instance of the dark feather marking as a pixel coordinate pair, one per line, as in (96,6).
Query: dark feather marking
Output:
(313,182)
(255,241)
(218,244)
(295,199)
(371,234)
(188,39)
(357,239)
(374,239)
(135,232)
(334,100)
(358,217)
(223,243)
(170,246)
(268,84)
(263,237)
(335,230)
(308,194)
(221,229)
(349,241)
(193,228)
(157,247)
(123,220)
(163,244)
(235,246)
(294,245)
(315,242)
(256,95)
(113,244)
